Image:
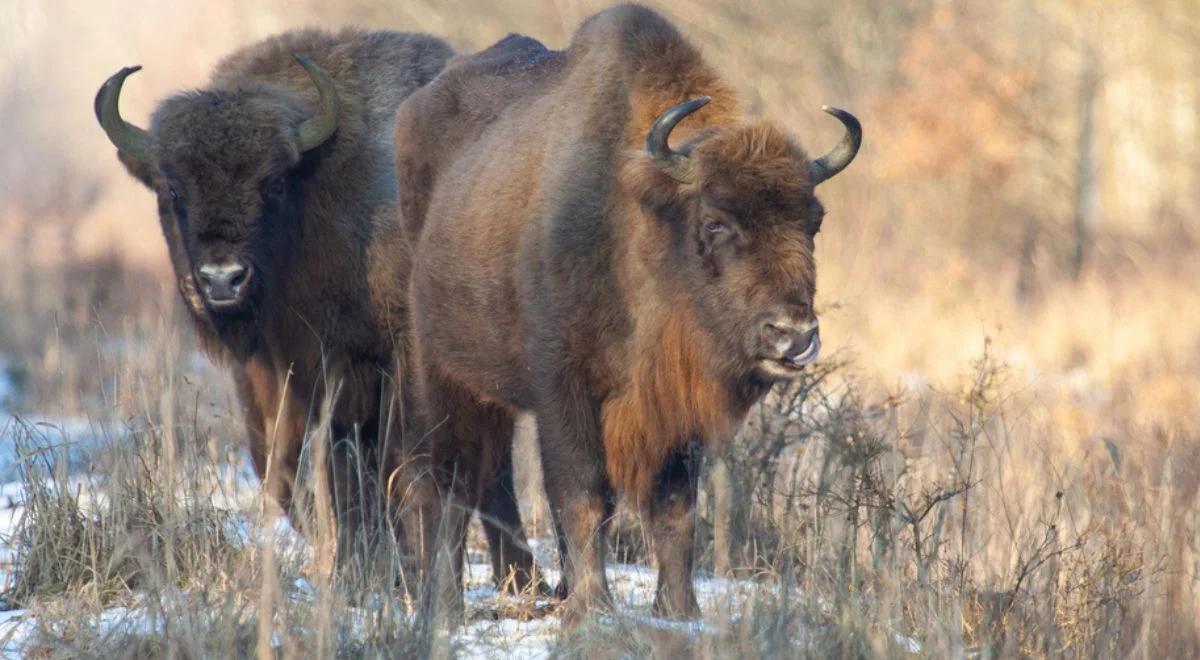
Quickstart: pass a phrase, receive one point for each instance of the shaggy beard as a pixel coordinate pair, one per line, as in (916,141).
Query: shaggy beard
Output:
(238,331)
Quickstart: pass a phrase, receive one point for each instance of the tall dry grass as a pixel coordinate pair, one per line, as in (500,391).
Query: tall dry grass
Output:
(1037,496)
(940,523)
(142,534)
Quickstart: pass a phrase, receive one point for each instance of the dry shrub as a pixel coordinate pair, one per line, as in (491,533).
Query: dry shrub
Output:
(947,518)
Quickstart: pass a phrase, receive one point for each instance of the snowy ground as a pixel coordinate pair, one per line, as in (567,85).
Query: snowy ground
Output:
(633,589)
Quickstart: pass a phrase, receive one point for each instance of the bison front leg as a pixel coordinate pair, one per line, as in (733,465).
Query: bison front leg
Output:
(358,506)
(580,496)
(275,434)
(672,510)
(415,501)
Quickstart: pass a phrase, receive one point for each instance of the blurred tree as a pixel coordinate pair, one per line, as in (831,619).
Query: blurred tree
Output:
(1087,159)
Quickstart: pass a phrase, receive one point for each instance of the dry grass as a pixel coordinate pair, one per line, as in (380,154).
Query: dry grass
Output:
(1000,460)
(142,535)
(941,520)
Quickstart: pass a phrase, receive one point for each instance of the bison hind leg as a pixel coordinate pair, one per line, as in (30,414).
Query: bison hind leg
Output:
(471,445)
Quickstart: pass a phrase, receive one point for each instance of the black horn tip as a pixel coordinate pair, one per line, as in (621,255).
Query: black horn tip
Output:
(116,79)
(123,73)
(827,166)
(842,116)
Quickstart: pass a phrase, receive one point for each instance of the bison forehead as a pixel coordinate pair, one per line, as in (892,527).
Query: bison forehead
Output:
(239,133)
(754,165)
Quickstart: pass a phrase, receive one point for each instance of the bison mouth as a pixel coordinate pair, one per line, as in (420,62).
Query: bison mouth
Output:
(791,364)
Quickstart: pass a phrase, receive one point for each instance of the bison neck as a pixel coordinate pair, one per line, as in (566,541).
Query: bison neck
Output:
(316,319)
(672,399)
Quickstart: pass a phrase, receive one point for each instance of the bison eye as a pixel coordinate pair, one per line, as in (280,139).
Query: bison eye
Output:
(716,227)
(176,200)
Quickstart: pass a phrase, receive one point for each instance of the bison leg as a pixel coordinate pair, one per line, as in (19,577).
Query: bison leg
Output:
(673,531)
(563,590)
(512,563)
(361,522)
(417,503)
(275,433)
(463,434)
(579,493)
(445,585)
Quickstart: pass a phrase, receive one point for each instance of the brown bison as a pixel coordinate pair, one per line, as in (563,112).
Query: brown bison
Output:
(276,195)
(638,297)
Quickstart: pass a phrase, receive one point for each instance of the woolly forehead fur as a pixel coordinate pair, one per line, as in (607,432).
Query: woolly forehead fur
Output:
(228,131)
(755,165)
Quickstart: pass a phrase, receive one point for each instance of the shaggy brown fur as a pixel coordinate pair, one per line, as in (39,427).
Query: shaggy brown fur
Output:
(671,398)
(558,270)
(325,308)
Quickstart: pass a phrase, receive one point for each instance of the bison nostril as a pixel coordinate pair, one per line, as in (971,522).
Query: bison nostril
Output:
(777,337)
(774,332)
(222,283)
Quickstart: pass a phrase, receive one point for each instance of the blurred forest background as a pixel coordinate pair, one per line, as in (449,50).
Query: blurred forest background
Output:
(1013,263)
(1031,169)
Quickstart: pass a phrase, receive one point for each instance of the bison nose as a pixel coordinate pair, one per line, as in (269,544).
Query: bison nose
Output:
(223,284)
(788,341)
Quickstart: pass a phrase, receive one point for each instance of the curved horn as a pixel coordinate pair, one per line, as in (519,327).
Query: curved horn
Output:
(134,142)
(318,128)
(840,156)
(672,163)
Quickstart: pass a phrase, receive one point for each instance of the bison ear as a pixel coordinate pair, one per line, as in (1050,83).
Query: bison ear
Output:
(139,169)
(658,194)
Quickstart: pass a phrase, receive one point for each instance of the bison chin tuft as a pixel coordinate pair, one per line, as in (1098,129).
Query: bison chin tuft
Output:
(238,331)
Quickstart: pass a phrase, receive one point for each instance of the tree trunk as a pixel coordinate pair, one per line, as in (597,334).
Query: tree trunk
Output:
(1087,188)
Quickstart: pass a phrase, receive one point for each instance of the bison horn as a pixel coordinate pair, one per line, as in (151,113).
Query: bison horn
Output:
(674,164)
(318,128)
(134,142)
(840,156)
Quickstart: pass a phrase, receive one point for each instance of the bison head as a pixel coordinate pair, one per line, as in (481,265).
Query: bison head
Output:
(745,219)
(225,164)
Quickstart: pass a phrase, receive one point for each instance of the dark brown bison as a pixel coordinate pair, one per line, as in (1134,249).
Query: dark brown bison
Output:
(637,296)
(276,195)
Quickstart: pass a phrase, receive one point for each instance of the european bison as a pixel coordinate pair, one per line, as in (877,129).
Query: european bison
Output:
(276,195)
(637,297)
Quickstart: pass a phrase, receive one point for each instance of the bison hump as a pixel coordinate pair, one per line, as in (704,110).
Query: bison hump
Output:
(512,54)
